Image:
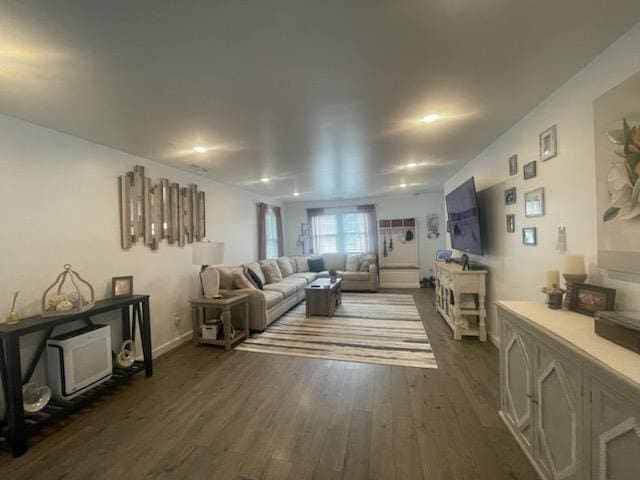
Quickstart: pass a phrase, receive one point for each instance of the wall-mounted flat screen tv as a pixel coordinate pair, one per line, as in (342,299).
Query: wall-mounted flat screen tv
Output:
(464,218)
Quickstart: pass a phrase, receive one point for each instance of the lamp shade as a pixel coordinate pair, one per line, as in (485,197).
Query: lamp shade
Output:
(208,253)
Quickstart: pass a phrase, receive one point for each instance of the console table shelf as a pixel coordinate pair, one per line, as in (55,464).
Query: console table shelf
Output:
(134,312)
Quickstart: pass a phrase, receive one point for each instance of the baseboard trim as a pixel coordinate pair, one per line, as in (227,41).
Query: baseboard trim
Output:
(399,285)
(170,345)
(520,442)
(493,338)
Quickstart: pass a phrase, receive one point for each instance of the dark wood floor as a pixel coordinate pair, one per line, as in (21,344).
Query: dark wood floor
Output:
(207,414)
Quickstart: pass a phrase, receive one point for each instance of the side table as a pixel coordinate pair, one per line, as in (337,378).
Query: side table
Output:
(199,306)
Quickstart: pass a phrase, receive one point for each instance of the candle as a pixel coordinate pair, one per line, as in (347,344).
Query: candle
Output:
(553,278)
(574,265)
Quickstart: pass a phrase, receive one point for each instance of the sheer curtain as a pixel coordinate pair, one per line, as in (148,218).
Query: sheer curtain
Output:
(369,211)
(270,232)
(314,216)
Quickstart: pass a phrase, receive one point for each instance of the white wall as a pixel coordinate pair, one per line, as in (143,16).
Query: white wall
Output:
(516,271)
(59,204)
(398,206)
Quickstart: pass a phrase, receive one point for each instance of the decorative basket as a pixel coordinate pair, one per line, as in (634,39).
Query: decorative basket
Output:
(56,302)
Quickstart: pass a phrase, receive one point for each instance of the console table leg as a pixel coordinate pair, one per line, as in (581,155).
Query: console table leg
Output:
(145,334)
(15,412)
(126,323)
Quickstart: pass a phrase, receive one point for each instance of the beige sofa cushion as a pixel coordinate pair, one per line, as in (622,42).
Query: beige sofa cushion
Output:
(284,264)
(241,281)
(325,273)
(366,260)
(226,276)
(307,276)
(302,264)
(255,268)
(300,283)
(353,263)
(294,265)
(271,271)
(272,298)
(356,276)
(285,288)
(335,261)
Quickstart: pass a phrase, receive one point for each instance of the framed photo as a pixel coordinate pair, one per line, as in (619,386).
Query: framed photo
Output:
(534,203)
(530,236)
(589,299)
(511,223)
(513,164)
(548,144)
(443,255)
(530,170)
(510,196)
(122,286)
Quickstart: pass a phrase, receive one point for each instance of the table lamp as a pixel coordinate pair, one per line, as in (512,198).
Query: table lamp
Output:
(205,254)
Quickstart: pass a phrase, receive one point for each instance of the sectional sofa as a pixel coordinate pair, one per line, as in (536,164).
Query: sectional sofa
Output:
(278,295)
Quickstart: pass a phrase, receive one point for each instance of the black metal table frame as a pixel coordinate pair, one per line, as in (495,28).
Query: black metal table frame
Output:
(10,364)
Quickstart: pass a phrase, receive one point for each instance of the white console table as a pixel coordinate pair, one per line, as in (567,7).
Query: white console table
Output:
(569,397)
(455,288)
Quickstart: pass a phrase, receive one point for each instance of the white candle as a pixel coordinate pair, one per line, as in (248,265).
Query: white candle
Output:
(553,278)
(574,265)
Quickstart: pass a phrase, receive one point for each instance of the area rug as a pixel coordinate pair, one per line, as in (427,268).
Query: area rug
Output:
(368,327)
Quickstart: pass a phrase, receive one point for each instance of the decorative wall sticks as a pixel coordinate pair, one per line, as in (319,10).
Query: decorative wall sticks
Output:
(160,211)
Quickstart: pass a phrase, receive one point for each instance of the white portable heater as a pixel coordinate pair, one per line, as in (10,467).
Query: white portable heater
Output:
(79,360)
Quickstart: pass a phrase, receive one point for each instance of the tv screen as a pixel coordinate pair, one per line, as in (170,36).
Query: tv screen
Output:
(464,219)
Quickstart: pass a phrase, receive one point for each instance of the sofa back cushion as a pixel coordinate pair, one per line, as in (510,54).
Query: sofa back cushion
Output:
(284,264)
(294,264)
(302,264)
(334,261)
(240,280)
(366,260)
(271,271)
(353,262)
(226,276)
(255,268)
(316,264)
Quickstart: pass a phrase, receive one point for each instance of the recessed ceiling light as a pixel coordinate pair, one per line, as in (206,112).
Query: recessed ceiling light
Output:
(432,117)
(403,185)
(199,149)
(411,165)
(296,194)
(264,179)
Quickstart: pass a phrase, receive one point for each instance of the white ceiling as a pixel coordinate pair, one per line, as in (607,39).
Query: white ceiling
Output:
(323,97)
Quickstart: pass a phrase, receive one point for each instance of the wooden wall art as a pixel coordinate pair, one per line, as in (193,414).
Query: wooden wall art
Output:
(153,212)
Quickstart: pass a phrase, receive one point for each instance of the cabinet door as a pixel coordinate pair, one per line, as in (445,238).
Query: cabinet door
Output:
(558,415)
(516,379)
(615,435)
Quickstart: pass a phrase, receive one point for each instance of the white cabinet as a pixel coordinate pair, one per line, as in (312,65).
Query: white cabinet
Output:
(576,416)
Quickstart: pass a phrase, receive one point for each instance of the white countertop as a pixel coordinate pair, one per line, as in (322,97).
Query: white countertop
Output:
(579,331)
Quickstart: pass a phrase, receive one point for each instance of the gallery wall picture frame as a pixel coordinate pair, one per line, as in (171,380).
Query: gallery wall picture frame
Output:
(548,143)
(511,223)
(513,164)
(530,170)
(530,236)
(510,196)
(590,299)
(122,286)
(534,203)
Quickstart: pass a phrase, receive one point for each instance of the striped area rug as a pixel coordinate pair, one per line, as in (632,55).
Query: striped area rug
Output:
(368,327)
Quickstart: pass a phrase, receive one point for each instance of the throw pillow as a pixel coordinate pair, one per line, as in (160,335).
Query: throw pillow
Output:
(294,264)
(255,268)
(271,271)
(226,277)
(353,263)
(302,264)
(255,278)
(241,281)
(366,261)
(316,265)
(285,266)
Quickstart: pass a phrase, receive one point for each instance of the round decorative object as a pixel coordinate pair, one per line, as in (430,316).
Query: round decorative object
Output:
(78,298)
(35,397)
(409,236)
(127,354)
(64,305)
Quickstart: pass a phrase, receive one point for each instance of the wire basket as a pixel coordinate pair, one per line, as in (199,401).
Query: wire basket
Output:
(80,298)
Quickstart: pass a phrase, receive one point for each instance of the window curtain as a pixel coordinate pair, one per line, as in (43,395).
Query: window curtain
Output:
(263,208)
(313,215)
(277,212)
(372,227)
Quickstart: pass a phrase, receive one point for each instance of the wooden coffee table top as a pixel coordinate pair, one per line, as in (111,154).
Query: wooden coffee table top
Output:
(323,284)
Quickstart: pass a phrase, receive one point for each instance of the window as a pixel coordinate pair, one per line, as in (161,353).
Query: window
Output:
(271,234)
(340,232)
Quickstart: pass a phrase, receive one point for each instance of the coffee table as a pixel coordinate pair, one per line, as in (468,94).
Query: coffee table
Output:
(323,296)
